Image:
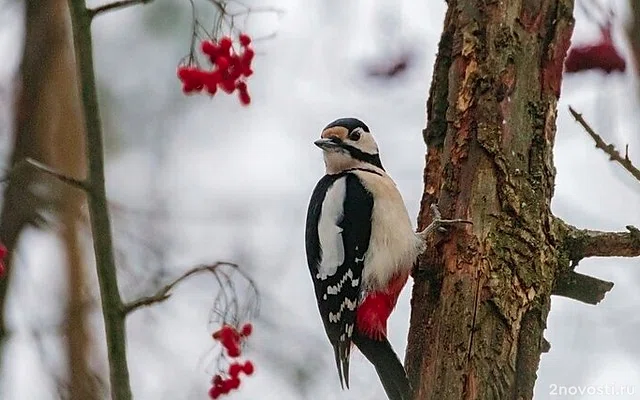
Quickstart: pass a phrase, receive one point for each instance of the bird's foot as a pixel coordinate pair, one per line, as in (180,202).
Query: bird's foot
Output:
(438,224)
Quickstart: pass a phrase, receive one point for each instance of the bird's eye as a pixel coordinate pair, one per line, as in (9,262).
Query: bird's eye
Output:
(354,135)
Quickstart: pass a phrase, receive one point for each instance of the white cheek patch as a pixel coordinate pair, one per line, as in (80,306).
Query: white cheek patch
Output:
(367,143)
(329,233)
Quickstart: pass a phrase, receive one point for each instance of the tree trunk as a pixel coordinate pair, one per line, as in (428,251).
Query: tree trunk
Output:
(482,295)
(49,128)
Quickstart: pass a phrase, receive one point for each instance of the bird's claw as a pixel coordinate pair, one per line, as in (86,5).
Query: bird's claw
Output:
(440,225)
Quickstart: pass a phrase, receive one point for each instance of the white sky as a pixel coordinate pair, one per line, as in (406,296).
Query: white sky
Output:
(233,184)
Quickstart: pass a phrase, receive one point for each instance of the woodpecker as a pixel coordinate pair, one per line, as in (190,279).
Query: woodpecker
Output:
(360,249)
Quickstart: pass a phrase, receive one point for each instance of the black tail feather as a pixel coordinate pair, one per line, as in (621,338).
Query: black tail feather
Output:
(388,366)
(342,352)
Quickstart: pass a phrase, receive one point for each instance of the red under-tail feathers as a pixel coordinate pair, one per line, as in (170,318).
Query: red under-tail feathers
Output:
(373,313)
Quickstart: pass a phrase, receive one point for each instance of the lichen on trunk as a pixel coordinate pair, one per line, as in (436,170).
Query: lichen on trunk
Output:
(482,296)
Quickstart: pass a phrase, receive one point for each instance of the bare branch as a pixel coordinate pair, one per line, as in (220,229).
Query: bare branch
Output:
(114,324)
(256,10)
(610,149)
(116,5)
(582,243)
(163,293)
(584,288)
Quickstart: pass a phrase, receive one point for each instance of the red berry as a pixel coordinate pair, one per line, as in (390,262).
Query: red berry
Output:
(225,43)
(234,351)
(247,56)
(235,369)
(182,72)
(246,329)
(224,387)
(214,77)
(188,88)
(245,99)
(210,81)
(247,72)
(235,60)
(248,368)
(227,331)
(234,383)
(227,342)
(234,74)
(209,48)
(186,73)
(232,332)
(214,392)
(228,85)
(222,62)
(212,89)
(192,79)
(245,40)
(216,380)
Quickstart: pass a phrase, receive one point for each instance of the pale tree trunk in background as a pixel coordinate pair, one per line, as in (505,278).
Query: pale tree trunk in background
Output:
(49,128)
(634,33)
(481,297)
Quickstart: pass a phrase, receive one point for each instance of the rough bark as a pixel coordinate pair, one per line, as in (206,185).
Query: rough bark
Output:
(48,128)
(481,297)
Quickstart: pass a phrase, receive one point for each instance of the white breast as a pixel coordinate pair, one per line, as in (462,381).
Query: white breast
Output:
(393,246)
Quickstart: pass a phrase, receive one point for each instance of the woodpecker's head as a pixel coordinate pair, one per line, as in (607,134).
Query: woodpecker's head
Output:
(347,143)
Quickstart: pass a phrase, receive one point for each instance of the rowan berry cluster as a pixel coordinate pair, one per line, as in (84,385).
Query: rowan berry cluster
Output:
(229,72)
(231,340)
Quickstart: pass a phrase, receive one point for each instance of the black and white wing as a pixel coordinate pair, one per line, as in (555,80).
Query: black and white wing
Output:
(337,237)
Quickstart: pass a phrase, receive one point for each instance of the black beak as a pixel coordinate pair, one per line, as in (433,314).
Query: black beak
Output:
(329,143)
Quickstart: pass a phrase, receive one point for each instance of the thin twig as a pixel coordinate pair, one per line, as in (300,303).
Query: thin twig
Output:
(111,302)
(614,155)
(256,10)
(163,293)
(116,5)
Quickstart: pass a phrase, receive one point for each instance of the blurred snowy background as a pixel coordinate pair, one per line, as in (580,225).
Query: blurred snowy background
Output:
(196,180)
